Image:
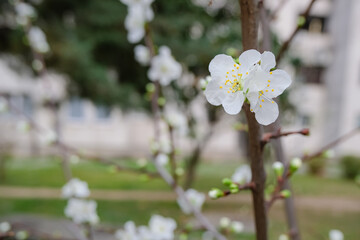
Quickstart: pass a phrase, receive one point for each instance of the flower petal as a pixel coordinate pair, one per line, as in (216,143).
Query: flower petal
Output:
(266,112)
(213,93)
(233,102)
(219,65)
(267,61)
(249,58)
(278,81)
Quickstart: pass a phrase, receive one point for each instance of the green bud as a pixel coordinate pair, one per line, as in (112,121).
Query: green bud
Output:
(227,182)
(183,236)
(161,101)
(278,168)
(328,153)
(234,188)
(150,87)
(301,21)
(232,52)
(179,171)
(144,178)
(215,193)
(295,164)
(285,193)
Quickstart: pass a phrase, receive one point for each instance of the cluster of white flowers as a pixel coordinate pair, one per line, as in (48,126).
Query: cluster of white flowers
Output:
(37,40)
(250,78)
(24,12)
(139,12)
(79,209)
(75,188)
(164,68)
(234,226)
(242,175)
(193,198)
(159,228)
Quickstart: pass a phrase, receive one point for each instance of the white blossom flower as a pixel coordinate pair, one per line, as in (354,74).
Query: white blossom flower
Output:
(142,54)
(242,175)
(162,228)
(164,68)
(82,211)
(24,12)
(251,78)
(3,105)
(225,222)
(37,40)
(4,227)
(75,188)
(145,233)
(21,235)
(145,5)
(194,198)
(237,227)
(162,159)
(128,233)
(283,237)
(335,234)
(49,137)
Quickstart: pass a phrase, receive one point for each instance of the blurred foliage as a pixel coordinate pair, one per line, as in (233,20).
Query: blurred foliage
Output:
(350,166)
(317,166)
(88,43)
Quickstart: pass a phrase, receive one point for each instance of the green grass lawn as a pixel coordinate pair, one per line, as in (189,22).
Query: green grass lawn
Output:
(48,173)
(314,225)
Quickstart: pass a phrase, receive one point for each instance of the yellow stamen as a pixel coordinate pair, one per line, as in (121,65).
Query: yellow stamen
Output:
(262,100)
(260,105)
(268,85)
(220,86)
(269,81)
(272,90)
(270,72)
(267,90)
(272,101)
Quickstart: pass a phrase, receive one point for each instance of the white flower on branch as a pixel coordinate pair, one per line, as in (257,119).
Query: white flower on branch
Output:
(237,227)
(82,211)
(142,54)
(4,227)
(162,228)
(75,188)
(194,198)
(242,175)
(24,12)
(37,40)
(164,68)
(335,234)
(162,159)
(176,119)
(139,12)
(128,233)
(250,78)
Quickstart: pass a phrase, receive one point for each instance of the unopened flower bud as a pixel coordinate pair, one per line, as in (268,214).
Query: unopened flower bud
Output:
(5,227)
(301,21)
(237,227)
(278,168)
(141,162)
(329,153)
(161,101)
(295,164)
(285,193)
(179,171)
(150,87)
(227,182)
(234,188)
(225,222)
(283,237)
(215,193)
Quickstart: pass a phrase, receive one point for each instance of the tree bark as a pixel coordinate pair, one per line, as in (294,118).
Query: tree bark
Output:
(249,27)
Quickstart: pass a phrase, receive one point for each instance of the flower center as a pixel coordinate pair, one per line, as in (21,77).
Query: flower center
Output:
(234,80)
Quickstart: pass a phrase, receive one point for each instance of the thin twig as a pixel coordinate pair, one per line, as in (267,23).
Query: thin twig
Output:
(267,136)
(286,44)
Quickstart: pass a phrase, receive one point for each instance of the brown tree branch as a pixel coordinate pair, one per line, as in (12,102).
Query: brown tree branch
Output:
(278,134)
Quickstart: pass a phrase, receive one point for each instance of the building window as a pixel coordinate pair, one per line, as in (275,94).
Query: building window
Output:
(103,112)
(76,108)
(312,74)
(315,24)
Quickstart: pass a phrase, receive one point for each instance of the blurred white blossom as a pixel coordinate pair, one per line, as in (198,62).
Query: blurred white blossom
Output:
(196,30)
(128,233)
(23,126)
(142,54)
(24,12)
(237,227)
(225,222)
(82,211)
(145,5)
(75,188)
(164,68)
(211,7)
(194,198)
(37,40)
(335,234)
(176,119)
(283,237)
(49,137)
(162,159)
(162,228)
(4,227)
(242,175)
